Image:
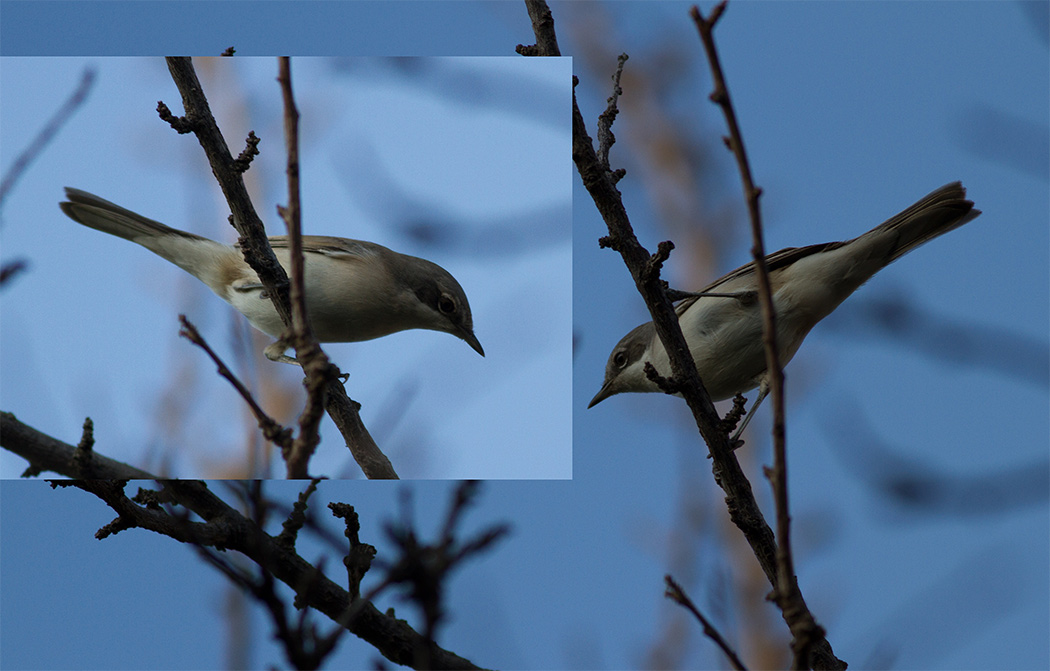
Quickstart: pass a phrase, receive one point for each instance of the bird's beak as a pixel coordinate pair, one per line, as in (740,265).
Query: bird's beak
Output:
(603,393)
(472,340)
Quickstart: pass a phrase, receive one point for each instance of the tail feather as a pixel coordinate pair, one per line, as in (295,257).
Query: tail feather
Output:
(939,212)
(94,212)
(213,263)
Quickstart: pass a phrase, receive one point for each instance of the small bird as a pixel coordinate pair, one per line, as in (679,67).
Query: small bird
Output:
(355,290)
(722,323)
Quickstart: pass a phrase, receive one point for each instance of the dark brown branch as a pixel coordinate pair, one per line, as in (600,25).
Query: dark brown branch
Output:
(272,430)
(360,555)
(45,453)
(12,268)
(740,500)
(259,255)
(199,120)
(675,593)
(809,646)
(606,139)
(345,412)
(313,360)
(224,528)
(425,567)
(543,28)
(296,518)
(600,184)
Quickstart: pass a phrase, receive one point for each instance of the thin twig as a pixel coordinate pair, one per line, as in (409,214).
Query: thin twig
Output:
(274,432)
(360,555)
(314,362)
(735,141)
(606,138)
(12,268)
(292,213)
(47,133)
(677,594)
(787,595)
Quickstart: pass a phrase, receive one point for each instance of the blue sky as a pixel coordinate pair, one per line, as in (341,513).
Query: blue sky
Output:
(851,112)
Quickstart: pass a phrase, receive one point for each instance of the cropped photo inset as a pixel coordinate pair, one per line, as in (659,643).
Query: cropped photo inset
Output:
(434,196)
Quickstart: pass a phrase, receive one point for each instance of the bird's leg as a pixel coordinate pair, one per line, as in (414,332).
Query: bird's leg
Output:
(275,352)
(763,391)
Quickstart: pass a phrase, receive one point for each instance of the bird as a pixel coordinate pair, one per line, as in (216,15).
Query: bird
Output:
(355,290)
(722,323)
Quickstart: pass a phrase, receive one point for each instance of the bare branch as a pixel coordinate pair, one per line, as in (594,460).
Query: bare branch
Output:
(224,528)
(313,360)
(259,255)
(805,631)
(12,268)
(675,593)
(274,432)
(424,567)
(740,500)
(359,559)
(543,28)
(45,453)
(606,139)
(296,518)
(345,412)
(47,133)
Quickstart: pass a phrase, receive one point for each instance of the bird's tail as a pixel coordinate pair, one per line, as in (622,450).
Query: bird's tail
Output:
(94,212)
(941,211)
(211,262)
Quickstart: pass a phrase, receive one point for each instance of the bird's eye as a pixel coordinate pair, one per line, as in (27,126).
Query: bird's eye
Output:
(446,304)
(620,359)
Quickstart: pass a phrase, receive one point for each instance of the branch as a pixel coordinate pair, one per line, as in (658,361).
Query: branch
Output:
(272,430)
(740,500)
(224,528)
(45,453)
(600,182)
(359,558)
(543,28)
(228,174)
(675,593)
(808,644)
(47,133)
(425,567)
(257,251)
(313,360)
